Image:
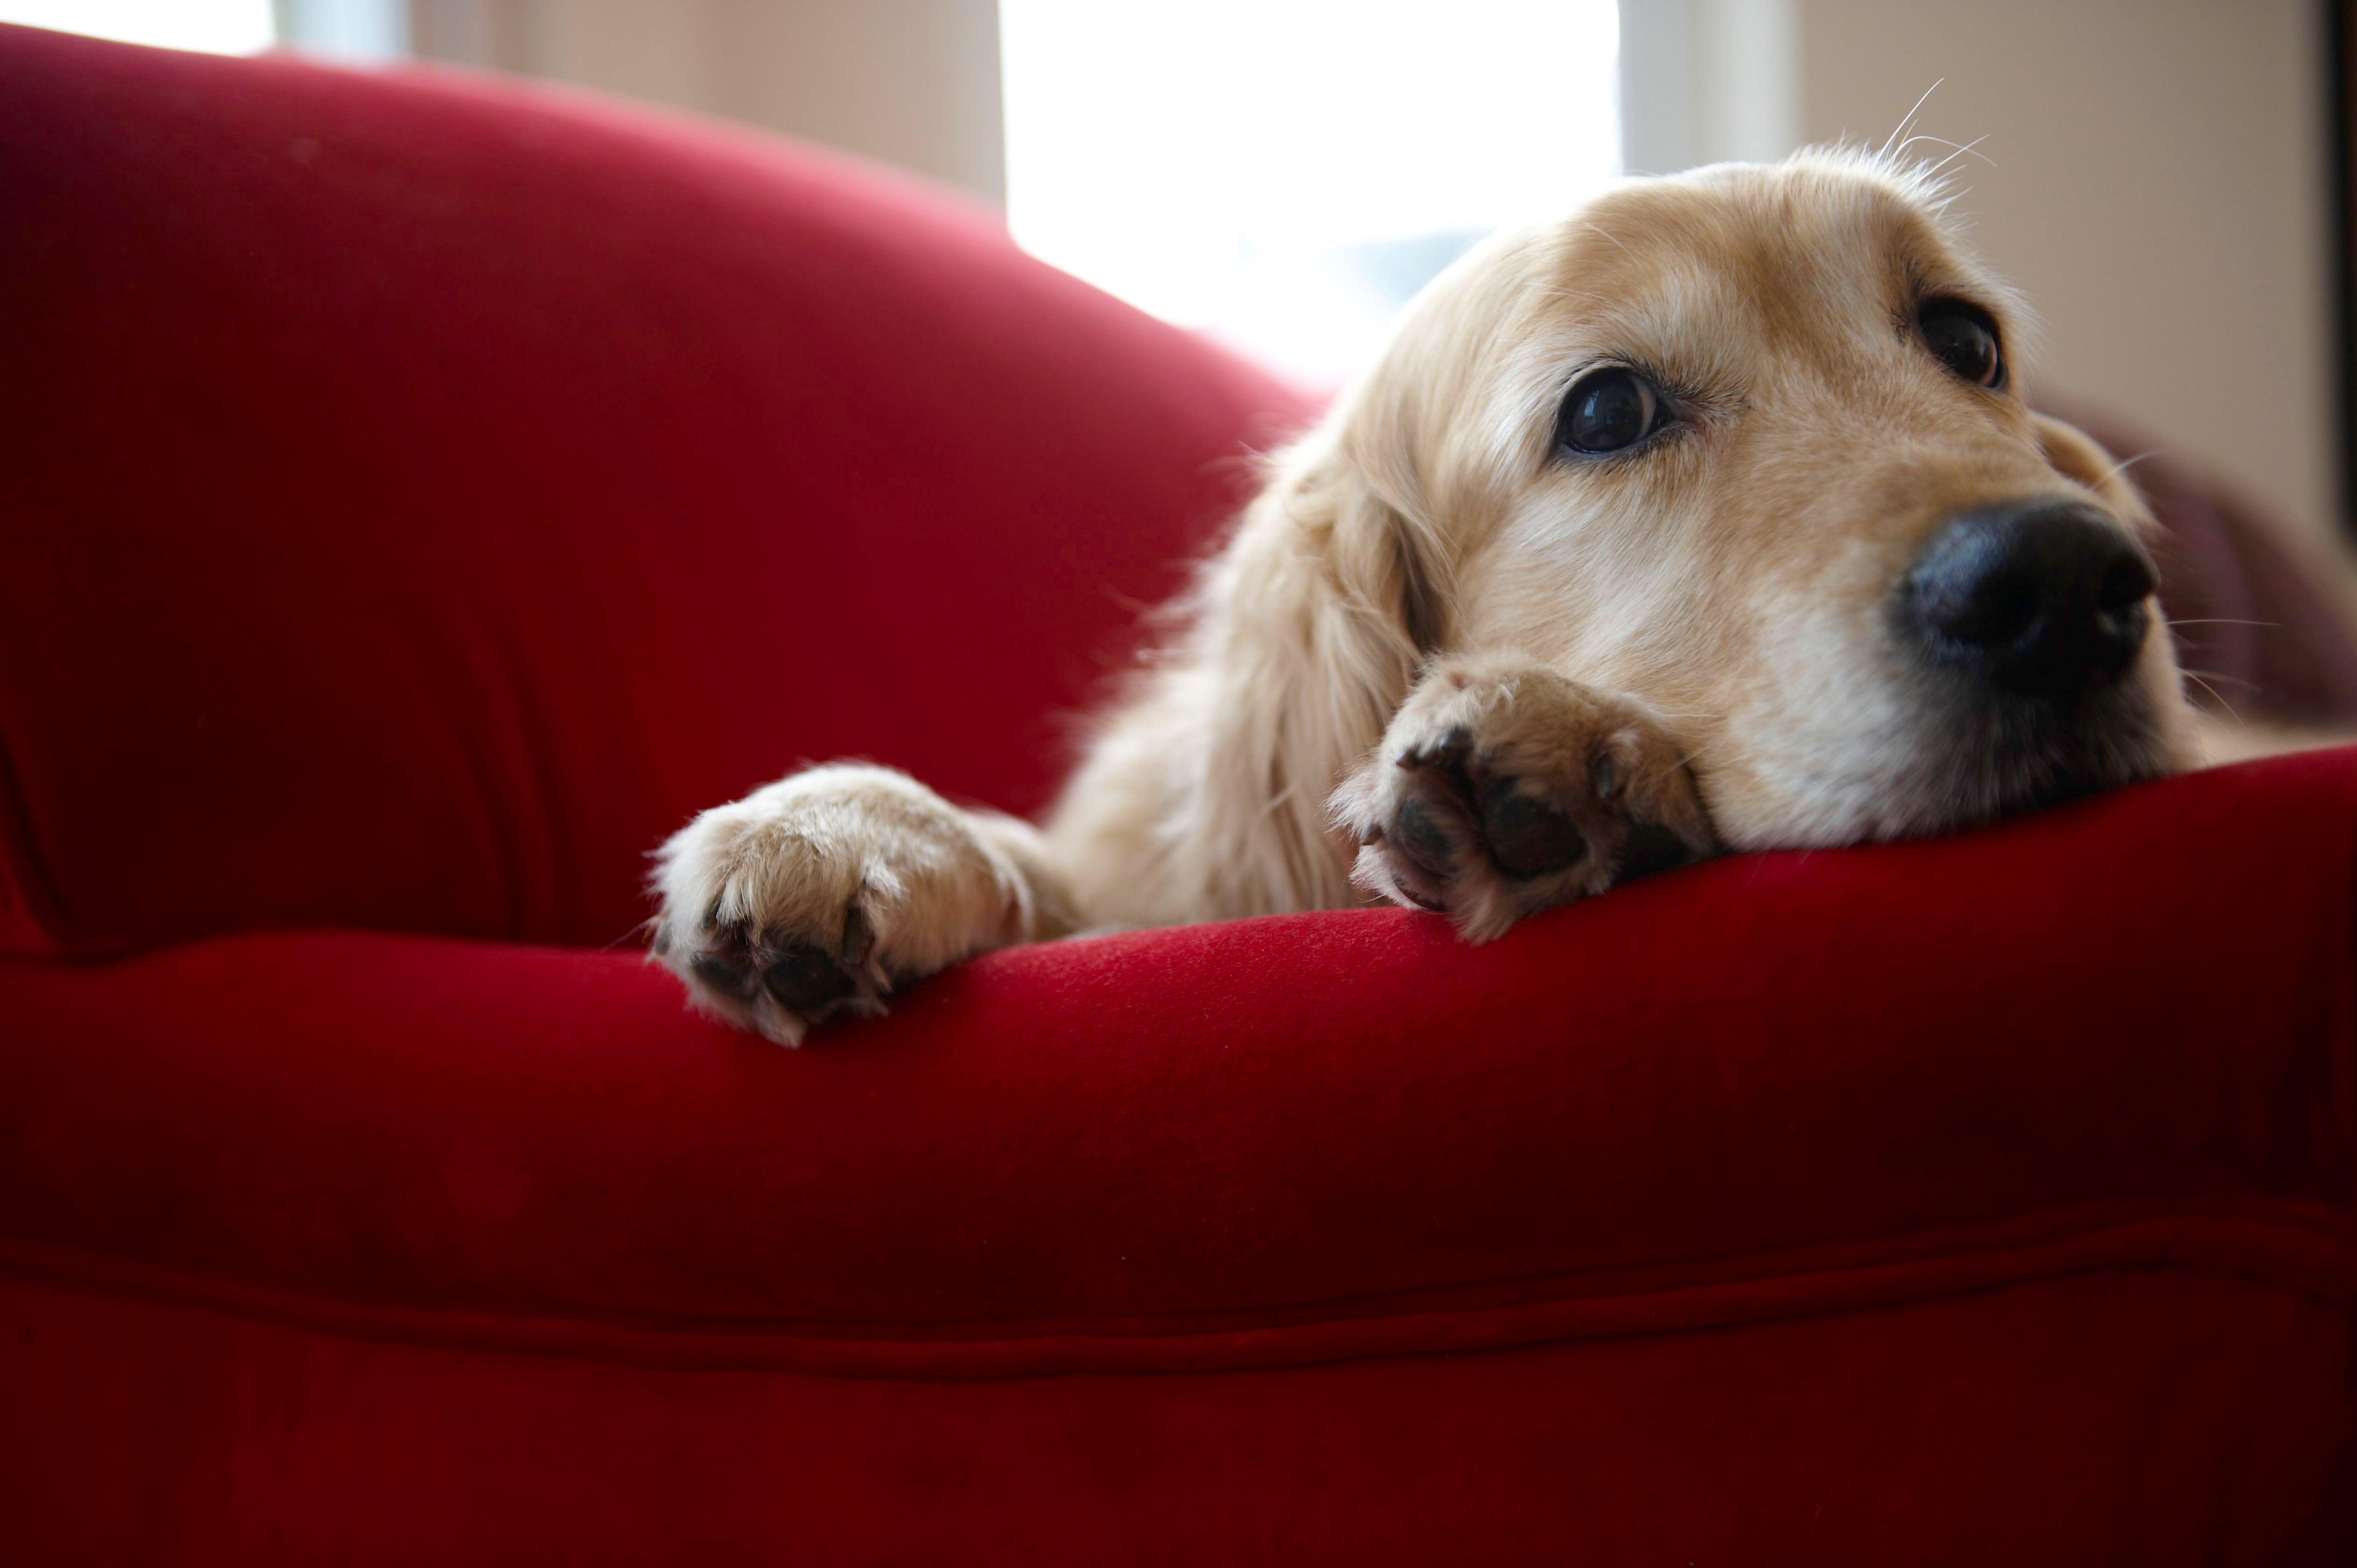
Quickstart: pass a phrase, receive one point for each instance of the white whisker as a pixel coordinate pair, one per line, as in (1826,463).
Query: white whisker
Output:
(1972,147)
(1908,120)
(2215,697)
(2123,466)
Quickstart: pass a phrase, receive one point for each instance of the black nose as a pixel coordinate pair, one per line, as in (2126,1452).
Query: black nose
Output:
(2043,597)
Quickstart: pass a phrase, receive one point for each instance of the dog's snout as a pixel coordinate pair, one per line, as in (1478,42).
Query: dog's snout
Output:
(2043,598)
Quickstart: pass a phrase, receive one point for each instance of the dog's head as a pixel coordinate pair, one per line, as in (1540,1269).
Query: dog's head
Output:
(1750,443)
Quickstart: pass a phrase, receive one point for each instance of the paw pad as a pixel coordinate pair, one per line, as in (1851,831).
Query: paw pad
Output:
(807,980)
(724,975)
(1501,795)
(1527,835)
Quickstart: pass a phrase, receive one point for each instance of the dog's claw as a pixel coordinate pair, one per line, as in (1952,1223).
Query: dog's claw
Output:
(1449,749)
(1604,776)
(858,938)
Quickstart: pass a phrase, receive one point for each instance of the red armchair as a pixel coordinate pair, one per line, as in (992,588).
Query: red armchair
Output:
(421,496)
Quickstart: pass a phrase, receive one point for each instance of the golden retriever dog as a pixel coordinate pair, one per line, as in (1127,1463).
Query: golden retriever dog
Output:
(1709,517)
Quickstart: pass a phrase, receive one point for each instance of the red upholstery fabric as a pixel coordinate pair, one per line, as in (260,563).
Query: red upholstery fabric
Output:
(1118,1135)
(1732,1215)
(418,498)
(2021,1229)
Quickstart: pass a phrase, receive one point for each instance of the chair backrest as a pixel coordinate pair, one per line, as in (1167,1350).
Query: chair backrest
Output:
(421,495)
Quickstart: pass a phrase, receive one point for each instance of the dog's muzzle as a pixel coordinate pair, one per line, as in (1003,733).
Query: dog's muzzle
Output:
(2043,599)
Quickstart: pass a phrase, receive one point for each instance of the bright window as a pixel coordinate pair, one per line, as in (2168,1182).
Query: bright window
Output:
(1283,174)
(217,26)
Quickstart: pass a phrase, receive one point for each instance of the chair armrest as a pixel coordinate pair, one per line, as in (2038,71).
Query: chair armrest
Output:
(2116,1033)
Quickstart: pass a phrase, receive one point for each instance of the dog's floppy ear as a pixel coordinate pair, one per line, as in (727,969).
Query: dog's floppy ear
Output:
(1340,553)
(1311,627)
(1328,600)
(1381,559)
(1387,543)
(2074,454)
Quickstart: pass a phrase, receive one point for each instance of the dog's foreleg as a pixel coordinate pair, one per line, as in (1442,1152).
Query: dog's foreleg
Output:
(1502,787)
(823,894)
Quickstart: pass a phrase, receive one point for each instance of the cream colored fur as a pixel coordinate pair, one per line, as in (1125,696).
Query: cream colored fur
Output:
(1692,637)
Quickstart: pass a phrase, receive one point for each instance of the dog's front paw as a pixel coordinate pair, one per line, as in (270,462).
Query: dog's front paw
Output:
(822,895)
(1502,788)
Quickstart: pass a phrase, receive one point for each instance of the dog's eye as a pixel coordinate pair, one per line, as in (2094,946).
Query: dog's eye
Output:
(1608,411)
(1963,338)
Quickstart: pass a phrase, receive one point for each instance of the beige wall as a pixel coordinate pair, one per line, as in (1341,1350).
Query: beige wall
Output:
(2159,187)
(913,82)
(2160,191)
